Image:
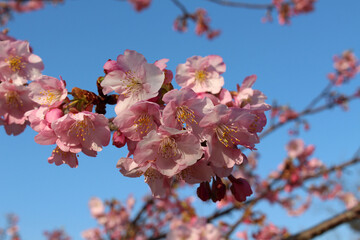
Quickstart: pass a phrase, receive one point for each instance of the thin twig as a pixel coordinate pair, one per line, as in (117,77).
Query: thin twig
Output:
(243,5)
(303,113)
(181,6)
(220,213)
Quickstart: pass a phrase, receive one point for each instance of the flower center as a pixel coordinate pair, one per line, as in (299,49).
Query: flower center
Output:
(62,154)
(151,175)
(132,84)
(82,129)
(201,75)
(225,134)
(143,123)
(168,148)
(12,99)
(184,114)
(49,97)
(16,63)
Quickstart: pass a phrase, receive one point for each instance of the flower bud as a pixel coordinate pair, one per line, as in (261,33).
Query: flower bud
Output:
(218,190)
(204,191)
(240,188)
(119,140)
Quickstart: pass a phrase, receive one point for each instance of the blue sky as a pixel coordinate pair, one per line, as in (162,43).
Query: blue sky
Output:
(75,39)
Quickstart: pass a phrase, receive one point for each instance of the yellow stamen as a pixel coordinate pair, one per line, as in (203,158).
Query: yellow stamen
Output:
(185,115)
(143,123)
(15,63)
(168,148)
(132,84)
(49,97)
(201,75)
(82,128)
(225,134)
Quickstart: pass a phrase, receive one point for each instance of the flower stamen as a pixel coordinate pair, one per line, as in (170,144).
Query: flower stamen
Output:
(168,148)
(225,134)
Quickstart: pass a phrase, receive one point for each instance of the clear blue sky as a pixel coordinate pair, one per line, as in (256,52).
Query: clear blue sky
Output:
(75,39)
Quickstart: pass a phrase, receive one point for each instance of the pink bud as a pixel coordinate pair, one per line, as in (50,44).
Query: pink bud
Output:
(119,140)
(53,115)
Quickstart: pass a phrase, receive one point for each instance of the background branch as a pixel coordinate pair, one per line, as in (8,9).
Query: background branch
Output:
(347,216)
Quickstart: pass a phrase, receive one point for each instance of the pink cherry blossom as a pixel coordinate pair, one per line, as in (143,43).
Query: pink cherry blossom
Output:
(247,96)
(139,120)
(303,6)
(17,63)
(161,64)
(158,183)
(225,128)
(27,6)
(135,80)
(346,66)
(194,229)
(270,231)
(295,148)
(97,207)
(40,120)
(184,110)
(83,131)
(48,91)
(59,157)
(201,74)
(171,150)
(91,234)
(14,102)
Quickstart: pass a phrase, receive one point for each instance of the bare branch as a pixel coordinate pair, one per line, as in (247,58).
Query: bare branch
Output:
(347,216)
(243,5)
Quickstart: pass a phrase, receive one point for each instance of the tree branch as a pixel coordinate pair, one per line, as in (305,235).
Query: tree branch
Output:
(305,112)
(334,168)
(347,216)
(243,5)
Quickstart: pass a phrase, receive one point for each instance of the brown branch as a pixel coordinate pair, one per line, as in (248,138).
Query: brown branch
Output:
(243,5)
(347,216)
(182,7)
(305,112)
(334,168)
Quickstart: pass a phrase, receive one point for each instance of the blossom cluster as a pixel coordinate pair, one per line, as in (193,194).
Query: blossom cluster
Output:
(288,9)
(114,221)
(201,20)
(346,67)
(6,7)
(29,97)
(191,134)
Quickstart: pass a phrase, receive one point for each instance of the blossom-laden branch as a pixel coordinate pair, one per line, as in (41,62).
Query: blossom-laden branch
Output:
(345,217)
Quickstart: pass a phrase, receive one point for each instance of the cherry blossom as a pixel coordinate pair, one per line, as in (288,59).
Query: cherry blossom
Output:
(135,80)
(14,103)
(83,131)
(225,128)
(139,120)
(17,63)
(171,150)
(201,74)
(48,91)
